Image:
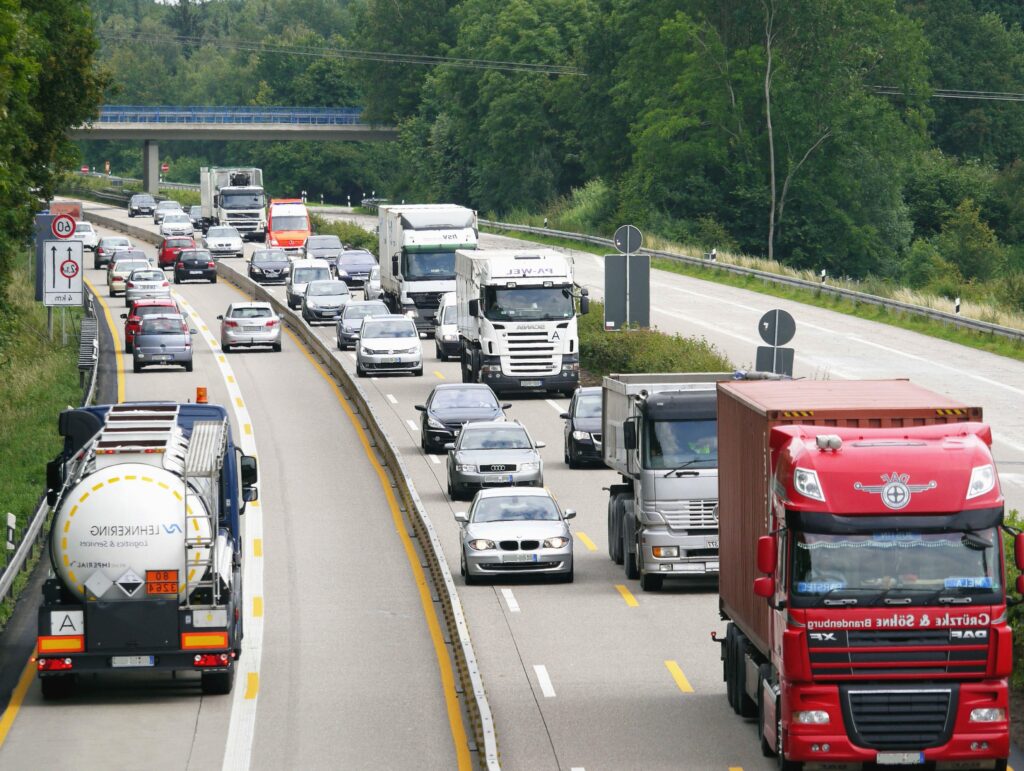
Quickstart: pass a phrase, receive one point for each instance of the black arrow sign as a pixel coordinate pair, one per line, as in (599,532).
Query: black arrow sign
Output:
(53,265)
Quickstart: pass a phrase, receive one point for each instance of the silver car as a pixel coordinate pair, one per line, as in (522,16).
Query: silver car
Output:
(389,344)
(250,323)
(372,289)
(144,284)
(224,241)
(351,320)
(324,300)
(163,340)
(515,531)
(493,454)
(176,224)
(163,208)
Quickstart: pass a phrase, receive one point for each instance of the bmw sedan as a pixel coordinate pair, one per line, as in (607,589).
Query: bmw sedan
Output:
(163,340)
(145,284)
(352,319)
(269,266)
(583,428)
(224,241)
(250,323)
(493,454)
(450,406)
(515,531)
(324,300)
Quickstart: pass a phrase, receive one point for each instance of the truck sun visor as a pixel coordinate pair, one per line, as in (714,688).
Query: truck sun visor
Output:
(681,405)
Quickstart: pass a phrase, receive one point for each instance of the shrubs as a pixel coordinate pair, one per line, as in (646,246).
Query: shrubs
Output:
(349,232)
(643,350)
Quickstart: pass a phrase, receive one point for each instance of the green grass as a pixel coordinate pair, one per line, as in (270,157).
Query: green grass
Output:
(38,379)
(349,232)
(926,326)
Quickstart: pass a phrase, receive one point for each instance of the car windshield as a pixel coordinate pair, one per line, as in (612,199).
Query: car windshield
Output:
(290,223)
(428,266)
(449,316)
(195,211)
(671,444)
(395,328)
(137,199)
(83,227)
(147,275)
(588,406)
(168,205)
(533,303)
(511,438)
(896,567)
(242,200)
(178,243)
(514,508)
(269,255)
(304,275)
(326,288)
(222,232)
(362,311)
(172,218)
(323,242)
(356,260)
(472,398)
(251,313)
(162,325)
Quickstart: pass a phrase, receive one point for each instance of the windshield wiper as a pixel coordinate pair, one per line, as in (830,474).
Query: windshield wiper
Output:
(845,600)
(680,468)
(884,594)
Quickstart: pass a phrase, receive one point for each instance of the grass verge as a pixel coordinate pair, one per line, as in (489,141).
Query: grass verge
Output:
(38,379)
(350,233)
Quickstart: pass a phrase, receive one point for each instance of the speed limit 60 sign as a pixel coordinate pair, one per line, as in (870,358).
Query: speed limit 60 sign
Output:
(63,226)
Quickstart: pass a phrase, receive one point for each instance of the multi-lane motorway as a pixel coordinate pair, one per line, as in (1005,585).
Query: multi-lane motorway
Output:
(594,675)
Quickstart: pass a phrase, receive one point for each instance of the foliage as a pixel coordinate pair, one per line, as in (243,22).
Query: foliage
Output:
(1015,613)
(349,232)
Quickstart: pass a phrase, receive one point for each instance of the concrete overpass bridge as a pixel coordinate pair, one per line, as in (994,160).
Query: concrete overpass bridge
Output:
(152,124)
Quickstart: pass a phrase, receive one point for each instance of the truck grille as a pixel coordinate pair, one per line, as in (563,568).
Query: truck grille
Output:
(689,515)
(426,300)
(531,353)
(845,655)
(890,719)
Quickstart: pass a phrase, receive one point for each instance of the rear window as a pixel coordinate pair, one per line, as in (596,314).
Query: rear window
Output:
(129,266)
(195,254)
(152,310)
(84,227)
(251,313)
(362,311)
(147,275)
(323,242)
(161,326)
(178,243)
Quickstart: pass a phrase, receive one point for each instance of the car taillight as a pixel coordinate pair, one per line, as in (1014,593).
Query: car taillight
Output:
(210,265)
(272,322)
(129,285)
(165,284)
(231,324)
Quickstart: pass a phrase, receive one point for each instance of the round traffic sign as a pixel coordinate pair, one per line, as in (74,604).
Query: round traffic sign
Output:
(63,226)
(776,327)
(628,239)
(69,269)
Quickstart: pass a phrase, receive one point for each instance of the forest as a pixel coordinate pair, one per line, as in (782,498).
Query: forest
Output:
(848,135)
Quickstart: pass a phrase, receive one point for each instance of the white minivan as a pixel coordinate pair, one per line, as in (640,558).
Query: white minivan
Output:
(302,272)
(446,328)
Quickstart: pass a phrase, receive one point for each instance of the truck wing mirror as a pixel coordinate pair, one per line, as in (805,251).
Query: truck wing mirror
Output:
(54,479)
(764,587)
(584,305)
(767,553)
(394,265)
(250,473)
(250,494)
(1018,551)
(629,434)
(474,308)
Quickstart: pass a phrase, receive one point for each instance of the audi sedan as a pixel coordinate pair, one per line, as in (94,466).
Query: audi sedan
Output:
(515,531)
(352,319)
(493,454)
(450,406)
(250,323)
(324,300)
(141,204)
(145,284)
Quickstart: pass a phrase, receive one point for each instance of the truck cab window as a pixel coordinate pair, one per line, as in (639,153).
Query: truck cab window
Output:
(671,444)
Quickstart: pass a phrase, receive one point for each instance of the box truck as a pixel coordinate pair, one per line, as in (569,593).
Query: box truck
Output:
(235,197)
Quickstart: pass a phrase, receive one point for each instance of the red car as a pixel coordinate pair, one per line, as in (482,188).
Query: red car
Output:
(170,248)
(140,308)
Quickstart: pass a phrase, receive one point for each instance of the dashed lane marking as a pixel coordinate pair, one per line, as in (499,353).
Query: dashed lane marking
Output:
(679,677)
(627,595)
(412,425)
(544,681)
(391,398)
(510,600)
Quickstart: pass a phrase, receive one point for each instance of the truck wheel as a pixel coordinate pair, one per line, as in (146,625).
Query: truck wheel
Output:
(629,549)
(763,673)
(615,530)
(650,582)
(745,706)
(218,683)
(57,687)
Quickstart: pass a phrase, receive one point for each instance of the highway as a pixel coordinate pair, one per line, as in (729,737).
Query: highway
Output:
(591,675)
(345,644)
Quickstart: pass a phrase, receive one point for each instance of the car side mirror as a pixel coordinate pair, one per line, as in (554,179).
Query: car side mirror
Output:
(764,587)
(450,446)
(461,516)
(540,444)
(421,408)
(569,514)
(565,416)
(506,405)
(220,317)
(124,315)
(474,308)
(193,331)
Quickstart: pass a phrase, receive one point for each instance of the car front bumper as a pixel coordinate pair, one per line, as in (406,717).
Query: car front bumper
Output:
(495,562)
(226,251)
(322,314)
(390,362)
(478,480)
(586,450)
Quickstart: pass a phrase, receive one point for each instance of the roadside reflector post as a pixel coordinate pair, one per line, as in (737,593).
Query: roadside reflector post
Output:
(823,274)
(956,306)
(200,394)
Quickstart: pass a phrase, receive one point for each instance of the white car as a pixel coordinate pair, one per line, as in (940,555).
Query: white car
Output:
(145,284)
(446,331)
(388,344)
(176,224)
(224,241)
(165,207)
(372,289)
(84,232)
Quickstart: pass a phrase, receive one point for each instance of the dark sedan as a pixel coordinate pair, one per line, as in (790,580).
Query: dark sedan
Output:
(141,204)
(583,428)
(195,265)
(354,266)
(323,248)
(450,406)
(269,266)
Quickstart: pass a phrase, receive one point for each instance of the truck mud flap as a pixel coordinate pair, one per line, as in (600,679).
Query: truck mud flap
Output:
(131,625)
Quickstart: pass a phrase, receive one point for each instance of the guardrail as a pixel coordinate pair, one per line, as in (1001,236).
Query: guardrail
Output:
(200,115)
(119,181)
(470,677)
(952,319)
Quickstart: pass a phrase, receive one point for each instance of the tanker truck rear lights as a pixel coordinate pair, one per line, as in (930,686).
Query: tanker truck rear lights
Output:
(53,665)
(983,480)
(806,483)
(207,640)
(73,643)
(212,659)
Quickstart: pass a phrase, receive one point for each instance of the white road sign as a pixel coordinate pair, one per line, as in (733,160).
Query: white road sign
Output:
(62,272)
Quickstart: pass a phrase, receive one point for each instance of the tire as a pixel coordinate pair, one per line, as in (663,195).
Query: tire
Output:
(567,578)
(136,367)
(226,347)
(650,582)
(418,372)
(341,345)
(95,264)
(730,667)
(176,279)
(218,683)
(213,280)
(57,687)
(188,366)
(437,352)
(360,372)
(629,561)
(763,673)
(615,529)
(128,347)
(570,456)
(276,348)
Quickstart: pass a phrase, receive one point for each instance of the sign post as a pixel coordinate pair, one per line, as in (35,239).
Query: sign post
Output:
(627,299)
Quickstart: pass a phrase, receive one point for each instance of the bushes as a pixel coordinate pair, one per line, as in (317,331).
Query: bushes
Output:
(643,350)
(349,232)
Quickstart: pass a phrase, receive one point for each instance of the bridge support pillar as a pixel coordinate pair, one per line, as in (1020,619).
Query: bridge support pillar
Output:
(150,167)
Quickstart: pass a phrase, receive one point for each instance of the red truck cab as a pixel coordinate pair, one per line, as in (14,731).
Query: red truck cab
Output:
(861,526)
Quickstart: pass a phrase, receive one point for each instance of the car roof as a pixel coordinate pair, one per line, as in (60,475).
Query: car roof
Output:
(251,304)
(505,492)
(588,390)
(481,424)
(374,303)
(312,262)
(466,386)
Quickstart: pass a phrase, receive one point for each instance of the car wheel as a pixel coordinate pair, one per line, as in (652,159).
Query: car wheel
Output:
(276,348)
(341,345)
(95,266)
(176,279)
(226,347)
(437,353)
(127,347)
(470,580)
(570,460)
(218,683)
(188,366)
(136,367)
(213,280)
(360,372)
(418,372)
(567,578)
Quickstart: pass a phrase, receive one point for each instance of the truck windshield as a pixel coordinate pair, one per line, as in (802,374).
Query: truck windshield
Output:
(242,200)
(677,444)
(533,303)
(895,568)
(428,266)
(290,223)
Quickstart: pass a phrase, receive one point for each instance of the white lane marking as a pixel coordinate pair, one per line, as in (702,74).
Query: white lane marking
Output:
(558,407)
(391,398)
(412,425)
(435,460)
(544,681)
(577,768)
(510,600)
(242,724)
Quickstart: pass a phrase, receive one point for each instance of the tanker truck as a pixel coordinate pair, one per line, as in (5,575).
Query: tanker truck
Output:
(862,575)
(145,545)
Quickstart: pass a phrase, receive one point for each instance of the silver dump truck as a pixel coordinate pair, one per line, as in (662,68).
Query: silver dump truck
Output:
(660,436)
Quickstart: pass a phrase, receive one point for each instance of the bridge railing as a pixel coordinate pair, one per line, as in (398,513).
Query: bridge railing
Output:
(299,116)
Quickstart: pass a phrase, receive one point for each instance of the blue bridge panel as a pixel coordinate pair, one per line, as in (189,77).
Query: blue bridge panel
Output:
(199,115)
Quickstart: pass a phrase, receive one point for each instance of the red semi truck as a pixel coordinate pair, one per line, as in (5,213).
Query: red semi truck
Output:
(862,575)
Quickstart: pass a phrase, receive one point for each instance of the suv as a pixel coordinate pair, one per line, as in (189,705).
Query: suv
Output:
(141,203)
(304,271)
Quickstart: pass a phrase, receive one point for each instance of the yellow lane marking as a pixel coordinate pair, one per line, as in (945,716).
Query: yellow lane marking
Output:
(257,606)
(627,595)
(248,429)
(444,663)
(735,768)
(239,402)
(221,359)
(118,359)
(257,546)
(230,378)
(252,685)
(439,375)
(7,720)
(585,540)
(679,677)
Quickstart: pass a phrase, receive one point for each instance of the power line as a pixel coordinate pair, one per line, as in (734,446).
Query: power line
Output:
(348,53)
(950,93)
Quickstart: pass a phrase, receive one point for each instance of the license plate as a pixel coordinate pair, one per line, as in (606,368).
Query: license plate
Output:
(900,758)
(390,360)
(518,557)
(497,479)
(712,543)
(531,383)
(195,272)
(251,329)
(163,358)
(132,661)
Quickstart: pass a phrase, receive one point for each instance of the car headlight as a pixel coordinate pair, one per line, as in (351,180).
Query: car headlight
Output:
(581,436)
(806,483)
(480,544)
(342,273)
(274,242)
(529,466)
(366,351)
(449,338)
(983,479)
(558,542)
(415,349)
(468,468)
(434,422)
(256,270)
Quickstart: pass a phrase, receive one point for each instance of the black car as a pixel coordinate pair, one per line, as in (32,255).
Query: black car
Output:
(269,266)
(452,405)
(353,266)
(583,428)
(323,248)
(195,214)
(141,203)
(195,265)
